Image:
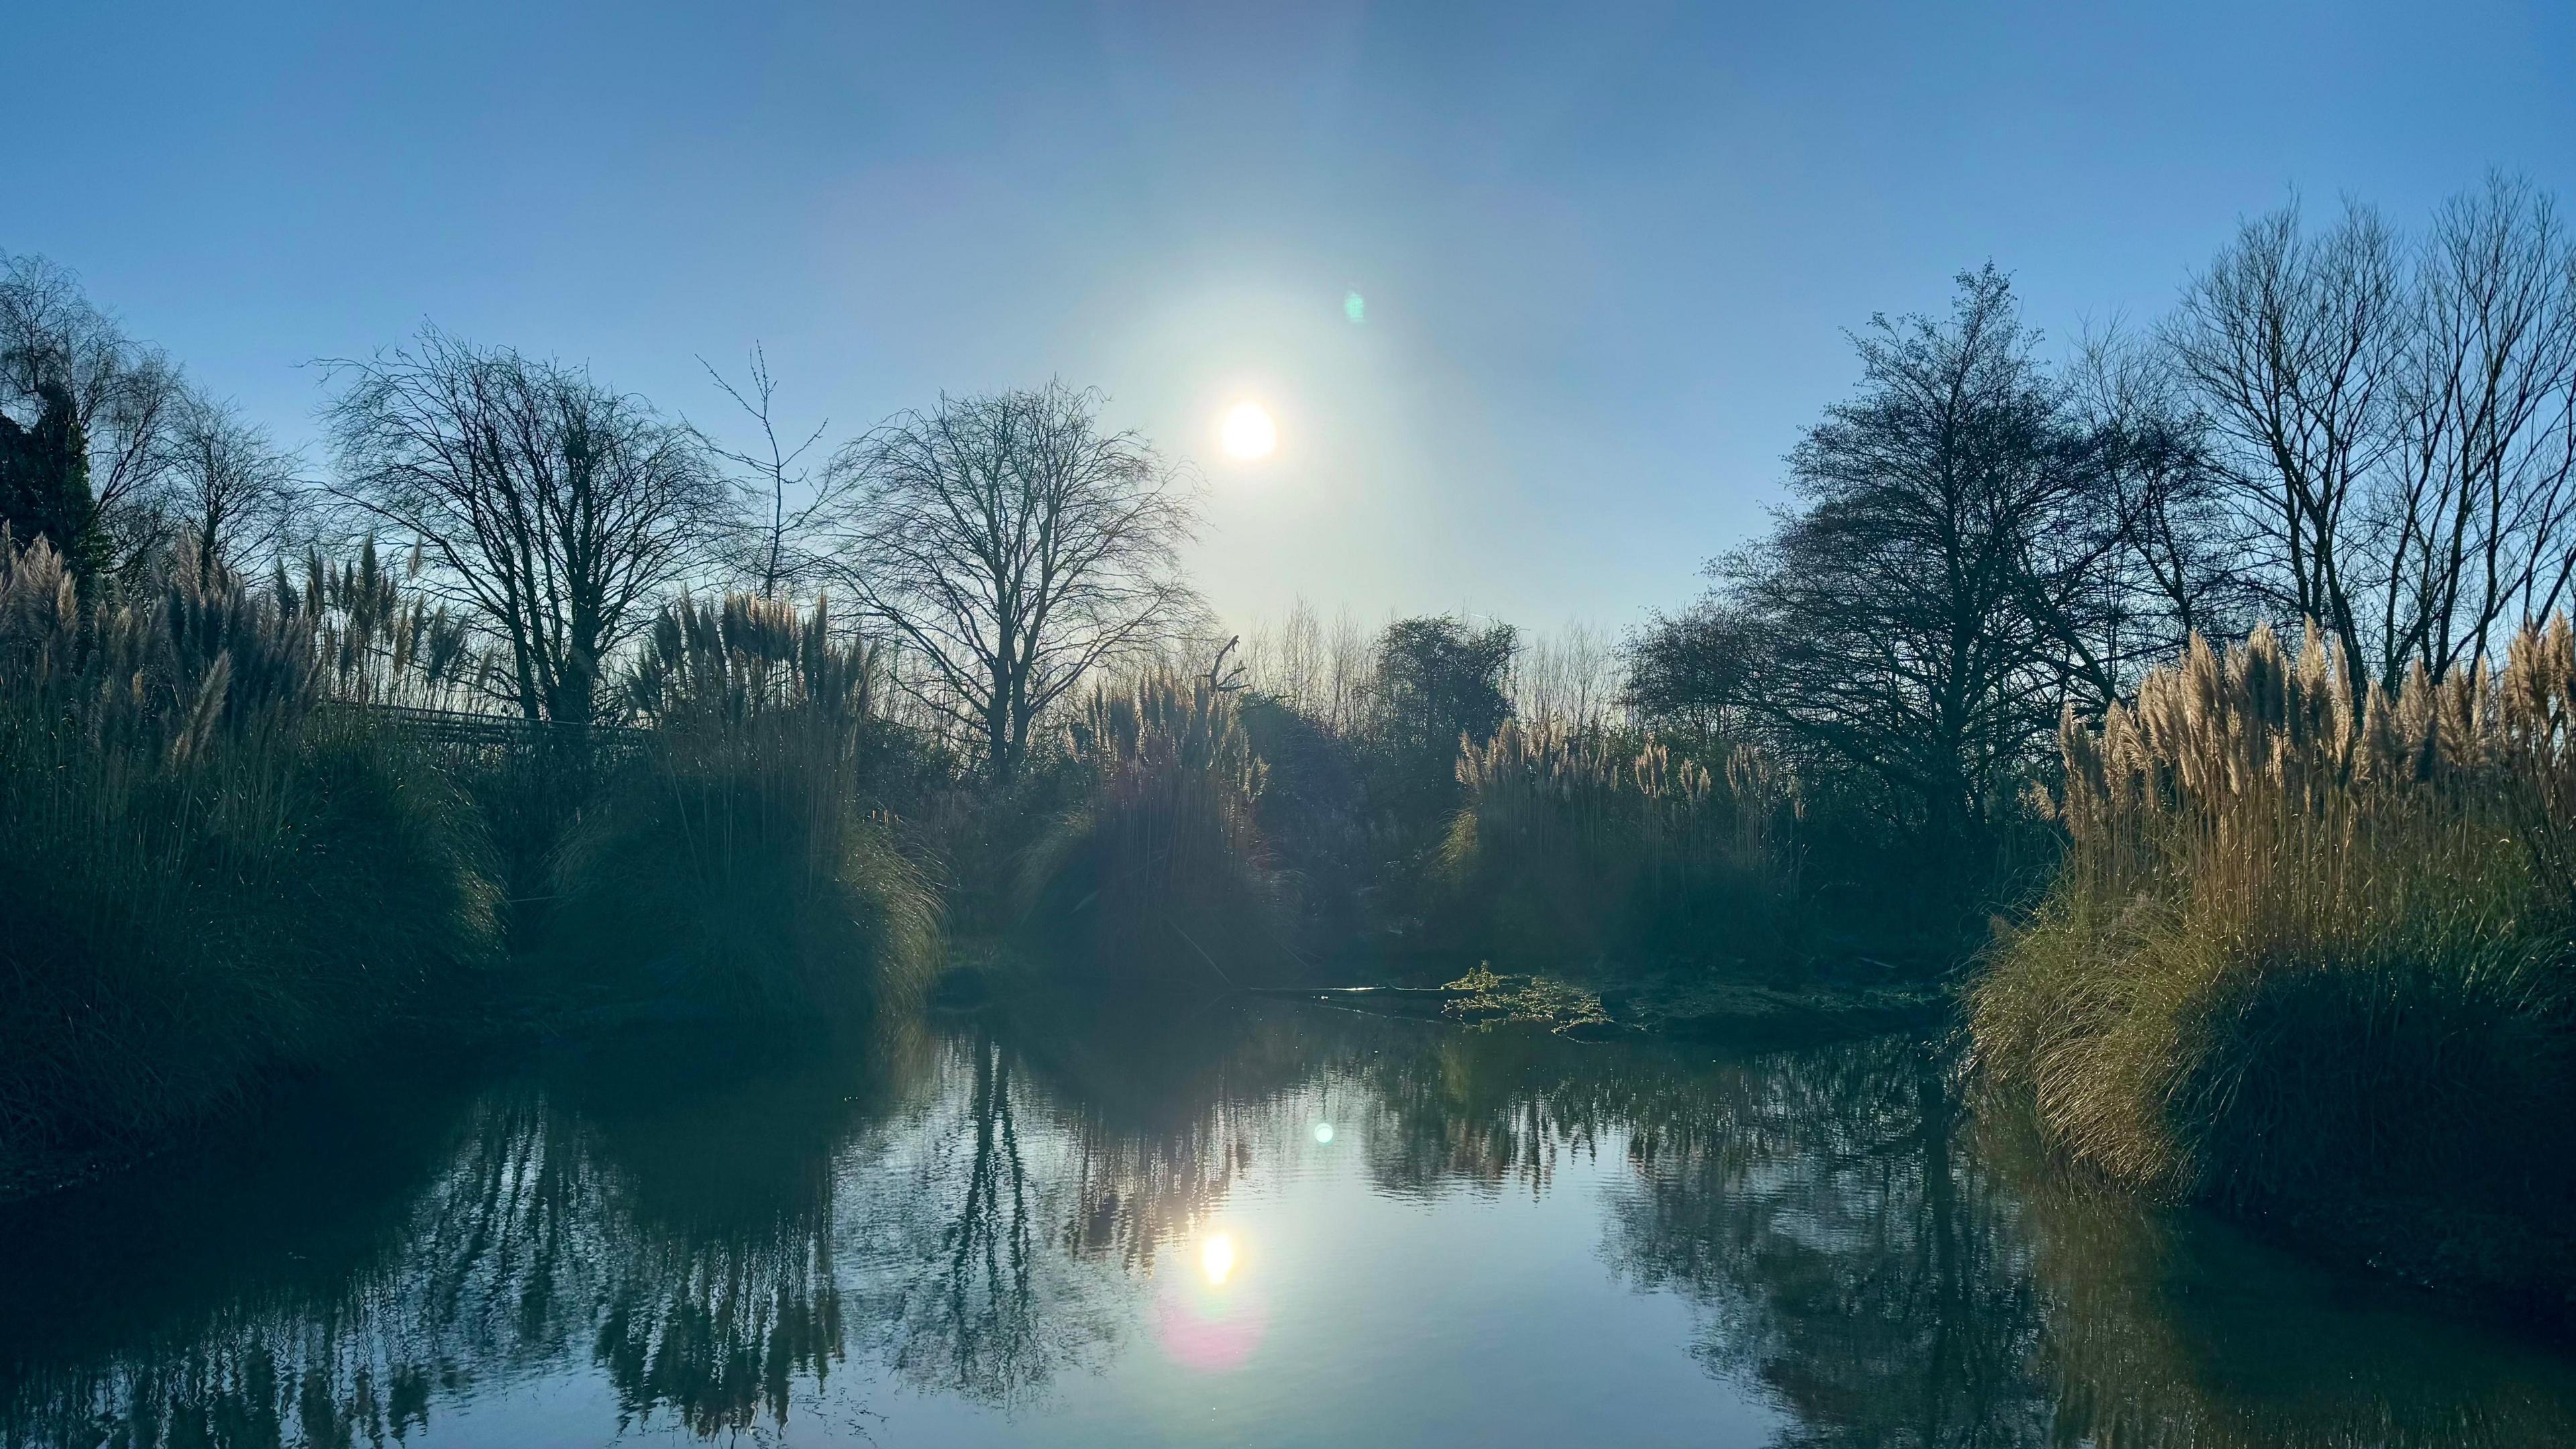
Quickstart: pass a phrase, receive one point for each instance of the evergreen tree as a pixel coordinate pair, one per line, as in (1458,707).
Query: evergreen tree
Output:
(44,481)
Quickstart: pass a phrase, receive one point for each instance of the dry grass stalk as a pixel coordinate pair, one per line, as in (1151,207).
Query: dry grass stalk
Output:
(212,877)
(2304,938)
(744,857)
(1591,842)
(1160,868)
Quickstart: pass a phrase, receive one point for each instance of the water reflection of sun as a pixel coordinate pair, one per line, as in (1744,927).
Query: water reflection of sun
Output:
(1212,1319)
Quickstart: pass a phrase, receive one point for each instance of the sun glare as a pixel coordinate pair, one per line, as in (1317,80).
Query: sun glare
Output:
(1248,432)
(1216,1258)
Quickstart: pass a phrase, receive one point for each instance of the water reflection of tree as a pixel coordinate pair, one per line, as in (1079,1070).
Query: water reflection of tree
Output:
(728,1298)
(1015,1229)
(186,1307)
(1821,1205)
(1165,1114)
(1480,1109)
(1890,1270)
(720,1234)
(722,1339)
(558,1224)
(958,1290)
(2171,1329)
(716,1230)
(1858,1267)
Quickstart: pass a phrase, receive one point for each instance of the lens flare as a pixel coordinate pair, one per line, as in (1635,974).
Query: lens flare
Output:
(1323,1132)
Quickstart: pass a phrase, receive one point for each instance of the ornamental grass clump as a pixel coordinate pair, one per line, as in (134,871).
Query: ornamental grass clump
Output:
(1580,845)
(741,864)
(210,875)
(376,642)
(1157,877)
(2310,942)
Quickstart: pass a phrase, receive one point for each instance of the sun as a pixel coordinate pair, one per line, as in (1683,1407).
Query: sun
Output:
(1248,432)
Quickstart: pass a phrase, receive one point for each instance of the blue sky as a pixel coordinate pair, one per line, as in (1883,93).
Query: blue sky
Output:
(1607,251)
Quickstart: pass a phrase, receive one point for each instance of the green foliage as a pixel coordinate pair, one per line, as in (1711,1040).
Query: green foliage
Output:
(212,875)
(1158,876)
(1313,821)
(44,481)
(741,865)
(1436,681)
(2307,943)
(1573,846)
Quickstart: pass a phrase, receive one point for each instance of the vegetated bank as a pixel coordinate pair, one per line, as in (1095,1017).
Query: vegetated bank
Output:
(232,853)
(2308,960)
(1215,831)
(213,874)
(1668,873)
(741,862)
(1797,800)
(244,839)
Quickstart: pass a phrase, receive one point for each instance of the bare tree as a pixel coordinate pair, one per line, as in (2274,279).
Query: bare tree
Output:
(556,511)
(1567,680)
(1922,615)
(2474,523)
(2402,442)
(228,488)
(1013,546)
(780,502)
(1315,669)
(2179,566)
(2293,343)
(69,371)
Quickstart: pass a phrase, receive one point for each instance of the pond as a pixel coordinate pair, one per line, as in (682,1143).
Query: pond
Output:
(1264,1224)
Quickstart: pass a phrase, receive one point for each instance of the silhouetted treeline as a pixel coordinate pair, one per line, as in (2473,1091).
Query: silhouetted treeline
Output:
(824,704)
(2336,424)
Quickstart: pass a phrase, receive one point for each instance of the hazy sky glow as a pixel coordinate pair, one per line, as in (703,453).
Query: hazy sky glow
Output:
(1605,253)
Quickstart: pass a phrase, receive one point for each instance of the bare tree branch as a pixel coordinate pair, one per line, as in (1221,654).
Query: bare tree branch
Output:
(781,504)
(1014,547)
(556,511)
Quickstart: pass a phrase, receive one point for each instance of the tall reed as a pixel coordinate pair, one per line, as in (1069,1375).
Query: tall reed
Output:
(375,642)
(743,862)
(1158,876)
(209,875)
(1580,844)
(379,645)
(2308,942)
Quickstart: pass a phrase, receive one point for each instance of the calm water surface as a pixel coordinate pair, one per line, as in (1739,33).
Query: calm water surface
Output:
(1266,1226)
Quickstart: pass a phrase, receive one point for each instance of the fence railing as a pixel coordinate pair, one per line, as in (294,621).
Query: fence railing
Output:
(474,729)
